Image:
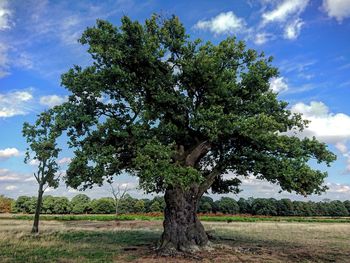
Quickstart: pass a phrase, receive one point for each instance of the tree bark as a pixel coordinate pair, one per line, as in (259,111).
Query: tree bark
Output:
(182,229)
(35,228)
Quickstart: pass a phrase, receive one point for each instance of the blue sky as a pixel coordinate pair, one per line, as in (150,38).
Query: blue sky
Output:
(308,39)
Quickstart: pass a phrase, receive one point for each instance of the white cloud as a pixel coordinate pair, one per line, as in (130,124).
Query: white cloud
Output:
(336,189)
(30,179)
(9,152)
(284,11)
(262,38)
(278,84)
(72,190)
(12,57)
(287,14)
(297,64)
(24,61)
(34,162)
(7,176)
(314,110)
(292,30)
(50,189)
(258,188)
(15,103)
(326,126)
(64,160)
(339,9)
(224,23)
(11,187)
(341,147)
(52,100)
(5,15)
(332,128)
(4,60)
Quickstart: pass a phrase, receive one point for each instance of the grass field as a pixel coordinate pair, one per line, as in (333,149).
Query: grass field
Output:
(159,216)
(134,241)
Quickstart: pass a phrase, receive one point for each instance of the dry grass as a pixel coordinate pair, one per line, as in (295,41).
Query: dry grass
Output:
(94,241)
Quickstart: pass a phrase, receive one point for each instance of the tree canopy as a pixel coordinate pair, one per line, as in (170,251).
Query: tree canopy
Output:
(177,112)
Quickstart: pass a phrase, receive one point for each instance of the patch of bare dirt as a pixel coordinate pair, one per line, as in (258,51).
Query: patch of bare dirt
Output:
(234,253)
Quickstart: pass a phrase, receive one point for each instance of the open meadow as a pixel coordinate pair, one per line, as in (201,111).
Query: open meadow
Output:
(135,241)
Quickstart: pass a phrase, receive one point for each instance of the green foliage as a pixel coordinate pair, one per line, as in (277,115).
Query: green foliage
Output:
(179,112)
(48,206)
(139,206)
(262,206)
(127,204)
(285,207)
(24,204)
(41,138)
(155,207)
(80,204)
(102,206)
(337,208)
(228,205)
(206,204)
(55,205)
(244,206)
(212,218)
(347,205)
(62,205)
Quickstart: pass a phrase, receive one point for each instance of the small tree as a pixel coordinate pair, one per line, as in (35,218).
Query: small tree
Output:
(118,193)
(41,138)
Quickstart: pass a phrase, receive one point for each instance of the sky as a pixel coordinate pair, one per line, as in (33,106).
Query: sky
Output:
(309,40)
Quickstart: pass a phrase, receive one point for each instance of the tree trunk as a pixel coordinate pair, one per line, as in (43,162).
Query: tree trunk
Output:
(35,228)
(182,229)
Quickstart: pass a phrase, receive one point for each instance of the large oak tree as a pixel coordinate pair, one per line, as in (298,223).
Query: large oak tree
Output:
(180,114)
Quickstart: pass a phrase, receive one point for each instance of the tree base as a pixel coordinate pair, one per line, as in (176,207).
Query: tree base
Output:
(190,251)
(182,229)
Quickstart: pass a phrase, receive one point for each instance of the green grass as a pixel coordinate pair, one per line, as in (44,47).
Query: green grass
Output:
(128,241)
(80,246)
(145,217)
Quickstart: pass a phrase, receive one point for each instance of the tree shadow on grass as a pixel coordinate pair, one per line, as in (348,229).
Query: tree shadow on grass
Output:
(76,246)
(118,238)
(130,245)
(282,250)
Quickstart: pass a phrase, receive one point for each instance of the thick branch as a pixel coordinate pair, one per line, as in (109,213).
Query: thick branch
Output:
(209,180)
(197,153)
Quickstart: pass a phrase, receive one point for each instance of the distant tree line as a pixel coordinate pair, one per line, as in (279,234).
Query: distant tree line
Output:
(82,204)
